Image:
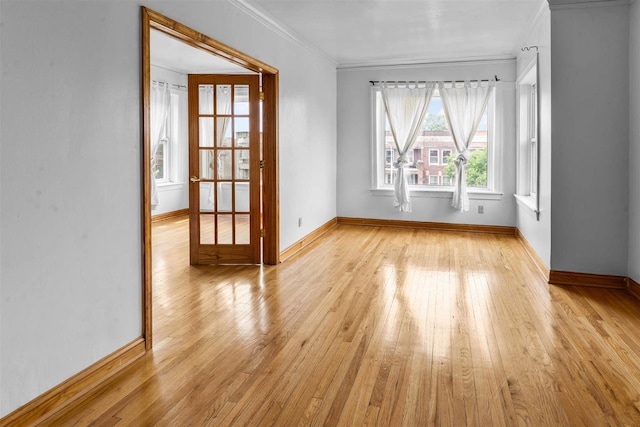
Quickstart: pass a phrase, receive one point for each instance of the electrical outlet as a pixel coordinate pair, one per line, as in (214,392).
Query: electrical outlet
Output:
(300,222)
(480,209)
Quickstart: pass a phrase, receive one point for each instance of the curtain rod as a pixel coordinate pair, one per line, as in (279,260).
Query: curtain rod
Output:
(373,82)
(174,86)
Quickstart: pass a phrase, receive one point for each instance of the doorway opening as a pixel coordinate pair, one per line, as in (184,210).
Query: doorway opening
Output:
(153,21)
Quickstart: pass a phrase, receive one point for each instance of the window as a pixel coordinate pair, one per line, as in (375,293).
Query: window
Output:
(166,164)
(528,135)
(533,138)
(434,157)
(445,156)
(160,163)
(390,157)
(430,155)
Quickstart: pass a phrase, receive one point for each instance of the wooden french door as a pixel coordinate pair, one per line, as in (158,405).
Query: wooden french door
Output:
(224,169)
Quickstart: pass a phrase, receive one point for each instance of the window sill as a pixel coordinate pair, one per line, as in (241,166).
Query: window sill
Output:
(528,202)
(444,193)
(167,185)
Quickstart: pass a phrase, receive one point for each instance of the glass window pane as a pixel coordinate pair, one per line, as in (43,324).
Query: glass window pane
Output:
(223,99)
(206,132)
(206,164)
(206,197)
(241,100)
(242,230)
(242,196)
(223,164)
(224,197)
(207,229)
(223,132)
(242,164)
(157,162)
(241,128)
(225,229)
(242,139)
(205,99)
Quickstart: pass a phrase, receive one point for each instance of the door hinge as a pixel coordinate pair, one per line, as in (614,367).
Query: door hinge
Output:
(262,233)
(261,164)
(261,96)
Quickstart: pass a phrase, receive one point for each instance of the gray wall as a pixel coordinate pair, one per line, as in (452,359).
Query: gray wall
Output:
(590,131)
(355,198)
(70,254)
(634,146)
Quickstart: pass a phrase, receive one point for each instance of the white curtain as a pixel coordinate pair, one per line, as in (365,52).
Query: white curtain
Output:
(464,106)
(160,105)
(406,106)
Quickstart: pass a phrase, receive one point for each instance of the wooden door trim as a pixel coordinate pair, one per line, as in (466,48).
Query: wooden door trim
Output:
(271,209)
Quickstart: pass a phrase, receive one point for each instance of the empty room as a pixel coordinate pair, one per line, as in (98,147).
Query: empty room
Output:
(319,212)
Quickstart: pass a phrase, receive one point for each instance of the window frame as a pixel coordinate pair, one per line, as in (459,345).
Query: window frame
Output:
(165,146)
(528,137)
(493,191)
(444,162)
(437,162)
(532,125)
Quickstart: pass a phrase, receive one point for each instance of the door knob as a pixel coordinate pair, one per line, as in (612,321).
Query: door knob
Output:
(195,179)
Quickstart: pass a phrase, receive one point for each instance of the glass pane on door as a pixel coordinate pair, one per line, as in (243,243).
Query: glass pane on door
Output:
(241,129)
(225,229)
(241,100)
(207,229)
(206,132)
(205,98)
(243,236)
(223,163)
(224,197)
(207,165)
(242,196)
(242,164)
(206,197)
(223,132)
(223,99)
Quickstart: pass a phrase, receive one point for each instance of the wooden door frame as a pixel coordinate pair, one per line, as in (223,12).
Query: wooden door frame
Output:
(270,187)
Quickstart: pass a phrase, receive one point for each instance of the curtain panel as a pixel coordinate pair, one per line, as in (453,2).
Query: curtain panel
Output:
(160,105)
(464,105)
(406,107)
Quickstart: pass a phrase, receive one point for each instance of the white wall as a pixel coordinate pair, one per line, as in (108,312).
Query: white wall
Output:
(590,131)
(538,231)
(70,264)
(174,195)
(634,147)
(70,174)
(355,198)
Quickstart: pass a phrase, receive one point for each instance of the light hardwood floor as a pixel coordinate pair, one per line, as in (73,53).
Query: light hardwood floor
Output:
(376,326)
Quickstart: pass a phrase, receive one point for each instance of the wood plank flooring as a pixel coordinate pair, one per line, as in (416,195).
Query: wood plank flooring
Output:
(376,326)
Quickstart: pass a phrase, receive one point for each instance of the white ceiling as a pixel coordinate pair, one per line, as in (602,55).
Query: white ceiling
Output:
(375,32)
(172,54)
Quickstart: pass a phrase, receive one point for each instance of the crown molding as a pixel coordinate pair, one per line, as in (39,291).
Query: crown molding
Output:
(543,12)
(264,18)
(426,62)
(573,4)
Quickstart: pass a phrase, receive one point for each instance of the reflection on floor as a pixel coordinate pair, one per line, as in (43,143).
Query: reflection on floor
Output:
(376,326)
